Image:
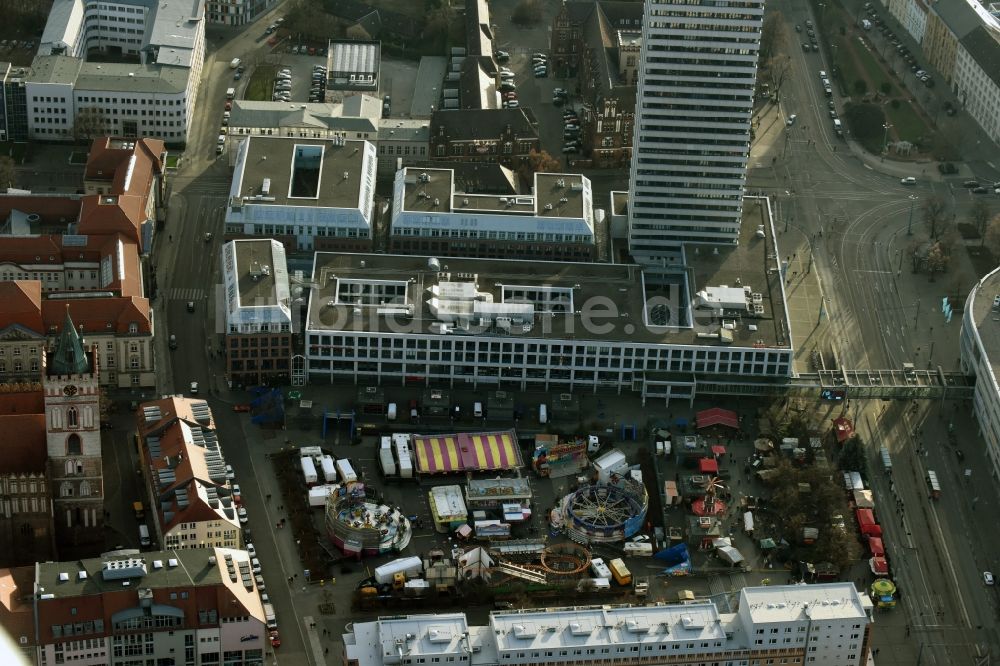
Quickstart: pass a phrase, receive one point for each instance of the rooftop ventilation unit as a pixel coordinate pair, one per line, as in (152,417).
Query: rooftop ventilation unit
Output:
(265,189)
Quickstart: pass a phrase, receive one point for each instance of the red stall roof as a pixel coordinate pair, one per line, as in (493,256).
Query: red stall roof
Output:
(876,547)
(843,428)
(879,566)
(708,466)
(866,522)
(717,416)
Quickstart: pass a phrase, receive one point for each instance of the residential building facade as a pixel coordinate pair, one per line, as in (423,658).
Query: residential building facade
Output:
(69,97)
(692,133)
(259,321)
(235,12)
(186,606)
(827,624)
(505,136)
(601,43)
(194,505)
(977,78)
(912,15)
(27,534)
(307,193)
(401,142)
(431,216)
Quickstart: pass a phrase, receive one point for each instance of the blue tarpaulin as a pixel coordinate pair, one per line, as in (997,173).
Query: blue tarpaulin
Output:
(681,422)
(674,554)
(678,569)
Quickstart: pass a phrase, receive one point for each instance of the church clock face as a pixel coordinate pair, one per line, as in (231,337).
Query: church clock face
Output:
(70,390)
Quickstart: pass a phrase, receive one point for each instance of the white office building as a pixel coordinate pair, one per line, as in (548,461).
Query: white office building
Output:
(555,221)
(692,128)
(152,97)
(307,193)
(980,356)
(538,325)
(825,625)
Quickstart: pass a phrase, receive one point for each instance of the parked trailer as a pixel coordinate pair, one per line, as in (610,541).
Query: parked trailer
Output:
(599,568)
(620,572)
(402,443)
(594,584)
(309,471)
(410,566)
(642,549)
(347,474)
(329,469)
(318,494)
(385,459)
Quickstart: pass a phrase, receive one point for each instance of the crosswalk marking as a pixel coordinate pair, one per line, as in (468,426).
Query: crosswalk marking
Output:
(186,294)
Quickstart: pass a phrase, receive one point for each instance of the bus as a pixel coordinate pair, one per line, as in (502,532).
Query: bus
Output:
(620,572)
(932,483)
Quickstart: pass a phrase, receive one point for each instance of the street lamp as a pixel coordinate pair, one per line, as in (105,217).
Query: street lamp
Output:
(885,137)
(909,222)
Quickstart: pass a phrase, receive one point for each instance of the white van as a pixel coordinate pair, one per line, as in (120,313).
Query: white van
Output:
(477,410)
(390,413)
(543,414)
(144,536)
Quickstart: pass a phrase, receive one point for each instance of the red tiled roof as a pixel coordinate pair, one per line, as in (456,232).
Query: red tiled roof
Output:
(112,214)
(53,210)
(25,446)
(16,615)
(22,402)
(109,161)
(22,305)
(99,315)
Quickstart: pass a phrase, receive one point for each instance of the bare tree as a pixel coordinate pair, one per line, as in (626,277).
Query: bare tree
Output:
(8,175)
(991,239)
(89,124)
(779,67)
(934,216)
(937,259)
(773,35)
(979,215)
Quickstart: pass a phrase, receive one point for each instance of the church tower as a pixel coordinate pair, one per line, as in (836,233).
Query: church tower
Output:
(73,430)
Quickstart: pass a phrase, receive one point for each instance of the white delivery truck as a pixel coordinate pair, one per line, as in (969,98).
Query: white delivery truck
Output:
(269,617)
(329,470)
(599,568)
(543,414)
(402,442)
(308,470)
(390,413)
(410,566)
(347,474)
(640,549)
(385,459)
(318,494)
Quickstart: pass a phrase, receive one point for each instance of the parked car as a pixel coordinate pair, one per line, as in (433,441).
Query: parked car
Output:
(988,578)
(512,104)
(255,565)
(230,474)
(971,183)
(242,514)
(980,190)
(237,495)
(502,56)
(570,149)
(251,549)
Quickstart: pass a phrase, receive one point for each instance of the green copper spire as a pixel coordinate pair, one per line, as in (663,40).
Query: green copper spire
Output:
(68,357)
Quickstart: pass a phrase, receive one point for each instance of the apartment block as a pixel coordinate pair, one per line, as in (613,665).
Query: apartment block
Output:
(149,90)
(536,325)
(785,624)
(235,12)
(307,193)
(431,216)
(193,504)
(194,606)
(259,326)
(692,131)
(977,78)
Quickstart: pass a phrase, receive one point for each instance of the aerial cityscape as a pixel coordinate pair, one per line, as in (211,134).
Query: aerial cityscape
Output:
(427,332)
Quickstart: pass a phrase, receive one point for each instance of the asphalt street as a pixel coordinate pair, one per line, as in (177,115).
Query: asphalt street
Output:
(861,225)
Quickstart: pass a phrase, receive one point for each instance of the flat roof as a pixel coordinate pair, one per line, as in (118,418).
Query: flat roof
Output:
(788,603)
(573,301)
(554,195)
(301,172)
(354,57)
(404,129)
(986,317)
(553,628)
(427,86)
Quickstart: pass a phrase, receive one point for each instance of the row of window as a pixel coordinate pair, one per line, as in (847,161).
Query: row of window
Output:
(490,235)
